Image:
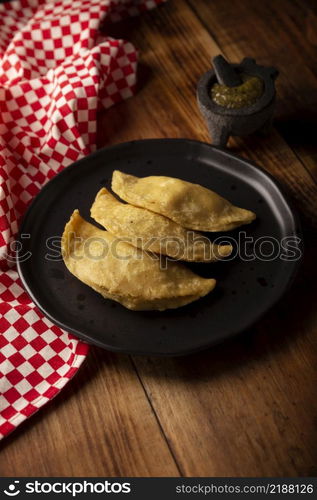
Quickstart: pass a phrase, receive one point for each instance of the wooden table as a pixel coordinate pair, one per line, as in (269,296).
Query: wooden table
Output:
(244,408)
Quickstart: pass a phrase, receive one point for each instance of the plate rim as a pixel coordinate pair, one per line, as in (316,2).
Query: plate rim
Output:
(227,153)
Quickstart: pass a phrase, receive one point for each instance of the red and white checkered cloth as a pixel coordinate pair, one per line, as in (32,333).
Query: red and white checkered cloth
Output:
(56,70)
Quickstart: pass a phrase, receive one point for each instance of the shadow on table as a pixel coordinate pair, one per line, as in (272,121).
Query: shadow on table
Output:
(299,129)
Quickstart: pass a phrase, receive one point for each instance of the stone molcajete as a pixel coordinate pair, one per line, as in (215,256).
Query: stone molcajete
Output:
(236,115)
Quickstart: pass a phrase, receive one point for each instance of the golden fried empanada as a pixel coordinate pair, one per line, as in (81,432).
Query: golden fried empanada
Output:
(153,232)
(119,271)
(190,205)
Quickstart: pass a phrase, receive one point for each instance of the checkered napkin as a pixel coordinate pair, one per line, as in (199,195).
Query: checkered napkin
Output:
(56,70)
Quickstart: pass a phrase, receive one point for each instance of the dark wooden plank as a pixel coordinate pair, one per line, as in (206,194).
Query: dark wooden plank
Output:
(282,34)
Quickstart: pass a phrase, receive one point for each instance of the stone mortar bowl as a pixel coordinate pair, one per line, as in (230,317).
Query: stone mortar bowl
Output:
(223,122)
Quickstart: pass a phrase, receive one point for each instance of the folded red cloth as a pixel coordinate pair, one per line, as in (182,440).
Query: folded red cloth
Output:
(56,70)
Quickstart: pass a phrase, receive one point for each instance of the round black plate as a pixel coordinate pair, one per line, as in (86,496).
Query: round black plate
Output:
(245,289)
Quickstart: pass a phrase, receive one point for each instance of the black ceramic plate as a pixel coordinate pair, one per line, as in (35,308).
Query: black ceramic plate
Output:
(246,289)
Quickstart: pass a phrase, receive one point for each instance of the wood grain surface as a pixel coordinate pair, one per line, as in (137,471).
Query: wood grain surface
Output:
(247,407)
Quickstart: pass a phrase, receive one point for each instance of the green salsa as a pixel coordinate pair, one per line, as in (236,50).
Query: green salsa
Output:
(244,95)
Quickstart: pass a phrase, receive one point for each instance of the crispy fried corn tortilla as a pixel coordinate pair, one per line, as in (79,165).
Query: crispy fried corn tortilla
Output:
(190,205)
(153,232)
(121,272)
